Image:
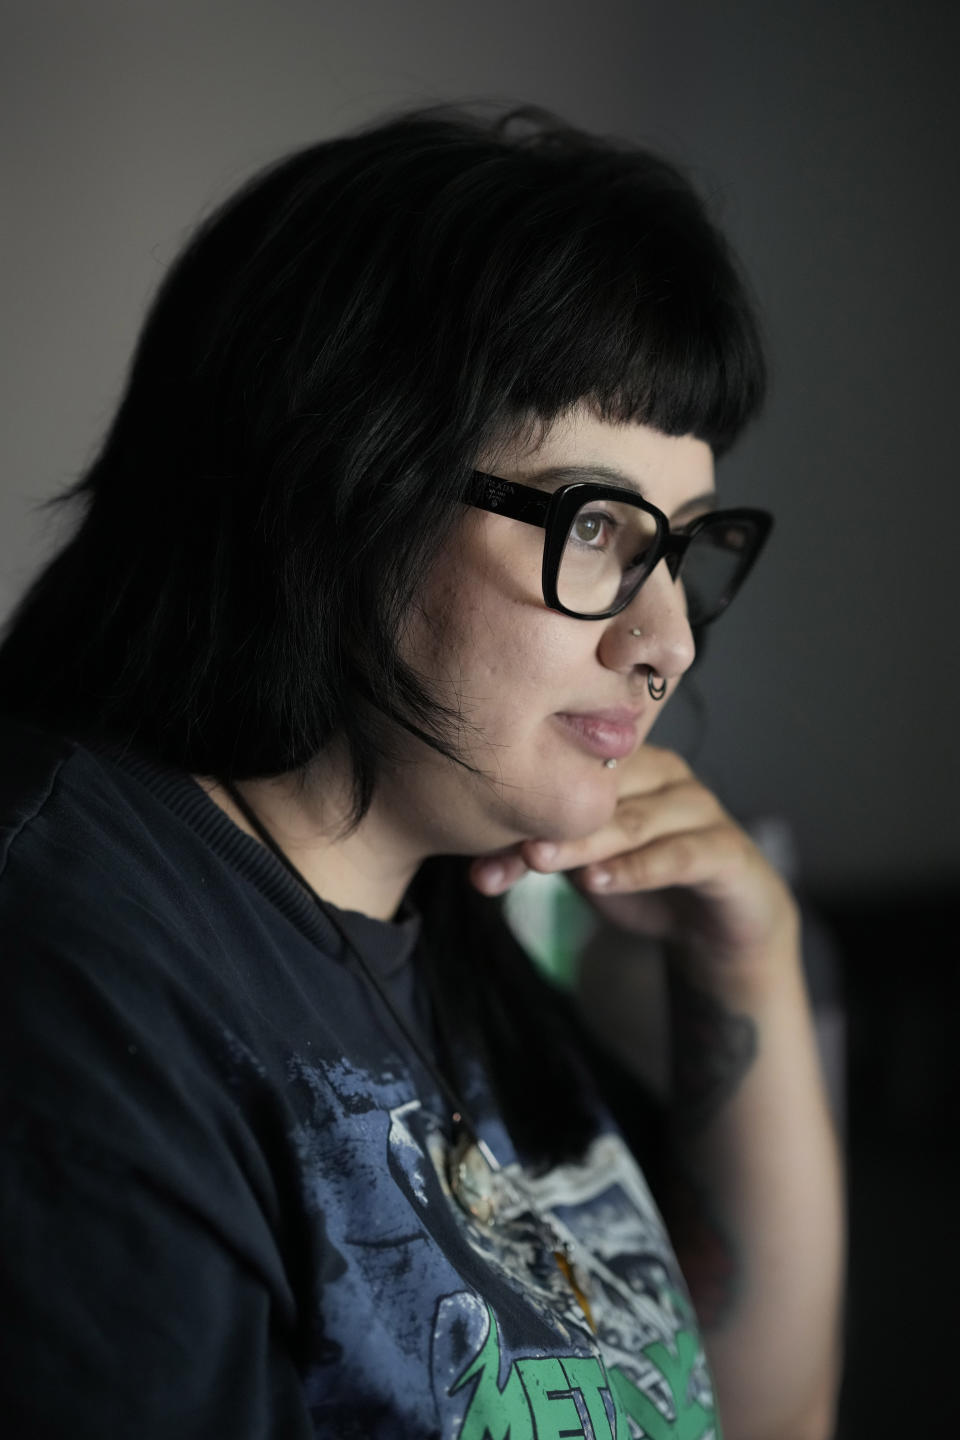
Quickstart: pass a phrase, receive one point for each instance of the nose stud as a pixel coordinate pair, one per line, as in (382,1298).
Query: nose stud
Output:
(636,631)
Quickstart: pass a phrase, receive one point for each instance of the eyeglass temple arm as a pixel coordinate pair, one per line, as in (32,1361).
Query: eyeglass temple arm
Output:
(504,497)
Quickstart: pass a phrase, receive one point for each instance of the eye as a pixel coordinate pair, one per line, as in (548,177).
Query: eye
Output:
(591,527)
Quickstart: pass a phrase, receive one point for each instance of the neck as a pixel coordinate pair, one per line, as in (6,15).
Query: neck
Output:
(368,870)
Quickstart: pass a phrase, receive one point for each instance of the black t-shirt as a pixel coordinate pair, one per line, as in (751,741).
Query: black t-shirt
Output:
(224,1178)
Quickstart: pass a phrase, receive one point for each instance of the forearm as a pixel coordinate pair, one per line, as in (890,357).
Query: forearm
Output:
(752,1189)
(754,1199)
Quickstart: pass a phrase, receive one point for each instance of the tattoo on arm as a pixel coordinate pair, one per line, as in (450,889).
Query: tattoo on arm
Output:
(706,1252)
(712,1051)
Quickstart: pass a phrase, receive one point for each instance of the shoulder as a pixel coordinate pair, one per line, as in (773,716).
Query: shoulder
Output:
(103,969)
(131,1038)
(65,837)
(62,807)
(131,927)
(31,760)
(86,846)
(89,861)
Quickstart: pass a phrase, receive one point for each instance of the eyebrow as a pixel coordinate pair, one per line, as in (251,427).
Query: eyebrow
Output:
(610,475)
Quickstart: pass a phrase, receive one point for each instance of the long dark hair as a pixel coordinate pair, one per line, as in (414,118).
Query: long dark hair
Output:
(313,384)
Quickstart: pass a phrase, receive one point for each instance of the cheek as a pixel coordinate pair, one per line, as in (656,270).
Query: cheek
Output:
(486,643)
(501,663)
(458,628)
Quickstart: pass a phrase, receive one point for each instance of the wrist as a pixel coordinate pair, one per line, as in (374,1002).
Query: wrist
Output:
(740,970)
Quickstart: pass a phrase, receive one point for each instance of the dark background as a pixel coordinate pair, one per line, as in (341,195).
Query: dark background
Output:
(827,135)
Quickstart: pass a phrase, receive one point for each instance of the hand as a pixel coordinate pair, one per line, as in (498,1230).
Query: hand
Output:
(670,864)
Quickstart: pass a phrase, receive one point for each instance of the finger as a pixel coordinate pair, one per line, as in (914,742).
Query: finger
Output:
(493,874)
(687,858)
(637,821)
(651,766)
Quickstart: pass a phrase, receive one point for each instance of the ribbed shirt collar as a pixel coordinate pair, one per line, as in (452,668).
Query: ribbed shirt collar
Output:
(385,944)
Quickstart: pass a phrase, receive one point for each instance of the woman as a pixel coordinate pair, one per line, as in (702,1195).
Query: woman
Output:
(365,618)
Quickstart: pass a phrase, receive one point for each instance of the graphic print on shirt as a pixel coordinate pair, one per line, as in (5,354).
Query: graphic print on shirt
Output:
(434,1324)
(650,1376)
(576,1395)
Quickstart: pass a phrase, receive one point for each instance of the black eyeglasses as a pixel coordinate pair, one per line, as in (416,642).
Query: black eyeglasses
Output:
(602,541)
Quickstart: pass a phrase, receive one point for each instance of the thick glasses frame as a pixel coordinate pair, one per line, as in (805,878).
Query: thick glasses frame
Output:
(555,511)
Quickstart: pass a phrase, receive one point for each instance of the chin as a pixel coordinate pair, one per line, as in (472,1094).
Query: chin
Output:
(582,807)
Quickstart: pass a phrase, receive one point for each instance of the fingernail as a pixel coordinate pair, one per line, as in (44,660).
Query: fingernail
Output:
(599,878)
(543,852)
(492,878)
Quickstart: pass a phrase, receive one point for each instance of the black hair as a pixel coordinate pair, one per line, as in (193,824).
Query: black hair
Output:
(311,389)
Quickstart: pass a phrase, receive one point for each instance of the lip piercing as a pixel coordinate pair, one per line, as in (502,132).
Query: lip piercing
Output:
(611,764)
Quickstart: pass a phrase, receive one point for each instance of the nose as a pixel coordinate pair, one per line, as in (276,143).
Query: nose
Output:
(665,643)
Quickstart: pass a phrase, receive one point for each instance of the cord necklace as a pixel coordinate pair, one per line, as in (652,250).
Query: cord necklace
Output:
(477,1180)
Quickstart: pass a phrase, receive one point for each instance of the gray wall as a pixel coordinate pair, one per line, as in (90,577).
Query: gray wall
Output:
(828,133)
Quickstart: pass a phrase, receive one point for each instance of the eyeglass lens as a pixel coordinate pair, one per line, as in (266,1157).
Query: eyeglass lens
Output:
(606,557)
(712,566)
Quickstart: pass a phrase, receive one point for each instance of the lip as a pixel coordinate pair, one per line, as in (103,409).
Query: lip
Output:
(611,734)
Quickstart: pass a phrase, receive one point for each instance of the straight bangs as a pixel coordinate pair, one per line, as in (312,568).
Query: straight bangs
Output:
(587,272)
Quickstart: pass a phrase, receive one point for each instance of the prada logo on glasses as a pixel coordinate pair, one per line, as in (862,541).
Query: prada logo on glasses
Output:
(496,491)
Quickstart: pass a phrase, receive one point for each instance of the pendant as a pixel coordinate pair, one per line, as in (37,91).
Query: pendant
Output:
(485,1192)
(472,1180)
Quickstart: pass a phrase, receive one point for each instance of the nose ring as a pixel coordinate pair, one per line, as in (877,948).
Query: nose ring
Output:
(658,687)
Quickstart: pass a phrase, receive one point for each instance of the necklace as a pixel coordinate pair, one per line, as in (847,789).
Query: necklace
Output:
(477,1181)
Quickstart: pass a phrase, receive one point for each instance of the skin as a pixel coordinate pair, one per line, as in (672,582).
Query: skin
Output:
(755,1202)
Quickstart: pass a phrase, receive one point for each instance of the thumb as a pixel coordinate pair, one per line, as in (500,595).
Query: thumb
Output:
(494,874)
